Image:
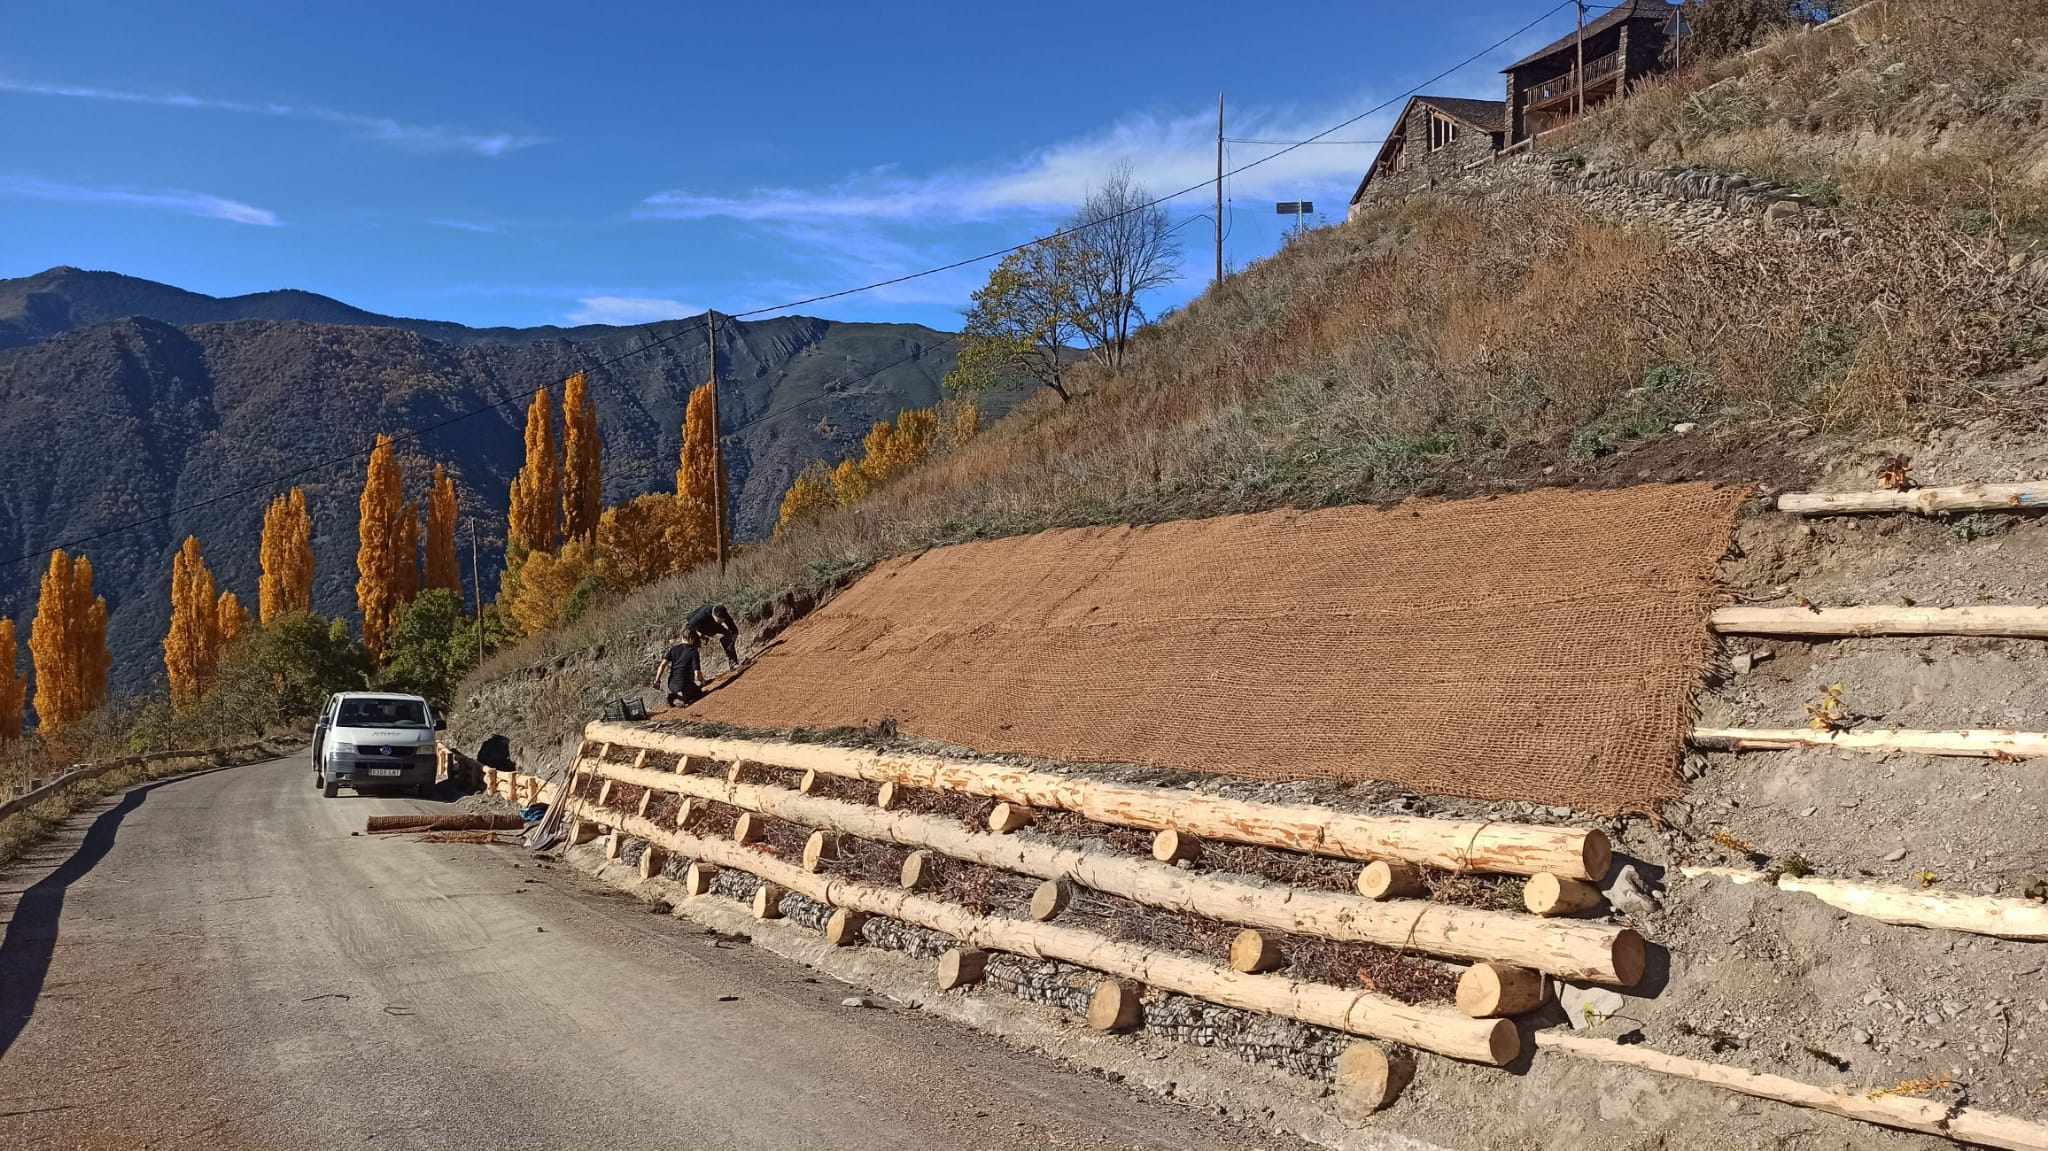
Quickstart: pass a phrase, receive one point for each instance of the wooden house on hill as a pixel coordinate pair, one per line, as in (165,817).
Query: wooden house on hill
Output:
(1631,40)
(1436,138)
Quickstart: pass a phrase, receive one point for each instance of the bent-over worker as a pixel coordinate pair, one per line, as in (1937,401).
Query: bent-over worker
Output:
(710,620)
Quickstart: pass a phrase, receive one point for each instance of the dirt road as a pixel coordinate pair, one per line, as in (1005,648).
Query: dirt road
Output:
(215,961)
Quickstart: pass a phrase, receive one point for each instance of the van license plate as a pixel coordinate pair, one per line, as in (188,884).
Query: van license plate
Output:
(385,771)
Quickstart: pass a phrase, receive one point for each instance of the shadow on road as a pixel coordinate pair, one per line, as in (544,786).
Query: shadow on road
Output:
(31,935)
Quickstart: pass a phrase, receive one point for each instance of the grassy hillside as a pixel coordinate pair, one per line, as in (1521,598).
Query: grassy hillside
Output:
(1465,343)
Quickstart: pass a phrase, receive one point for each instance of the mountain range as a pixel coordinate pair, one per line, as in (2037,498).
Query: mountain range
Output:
(139,413)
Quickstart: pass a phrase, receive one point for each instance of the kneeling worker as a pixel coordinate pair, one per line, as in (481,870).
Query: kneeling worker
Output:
(681,672)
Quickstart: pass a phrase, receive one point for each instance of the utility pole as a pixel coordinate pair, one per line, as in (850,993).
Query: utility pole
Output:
(717,444)
(476,581)
(1579,72)
(1219,187)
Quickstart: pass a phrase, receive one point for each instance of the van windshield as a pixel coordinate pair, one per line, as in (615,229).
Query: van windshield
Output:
(381,713)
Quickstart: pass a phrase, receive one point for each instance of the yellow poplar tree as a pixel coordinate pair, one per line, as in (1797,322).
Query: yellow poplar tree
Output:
(850,484)
(229,619)
(286,585)
(700,488)
(408,568)
(443,570)
(386,570)
(67,643)
(633,541)
(582,463)
(546,580)
(192,645)
(534,521)
(13,691)
(809,495)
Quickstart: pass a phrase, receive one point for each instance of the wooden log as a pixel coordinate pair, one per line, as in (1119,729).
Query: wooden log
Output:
(1598,953)
(888,795)
(2016,621)
(1050,899)
(686,809)
(646,795)
(651,861)
(1390,879)
(615,845)
(962,967)
(639,757)
(1555,895)
(1491,990)
(1256,952)
(1445,844)
(1904,1112)
(1369,1076)
(920,871)
(768,901)
(581,832)
(1921,501)
(697,880)
(1171,846)
(821,848)
(1354,1011)
(1008,817)
(842,928)
(603,753)
(2003,918)
(1114,1007)
(1977,743)
(809,783)
(604,790)
(749,828)
(736,773)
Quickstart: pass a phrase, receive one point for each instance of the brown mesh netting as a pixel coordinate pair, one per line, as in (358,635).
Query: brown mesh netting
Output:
(1539,647)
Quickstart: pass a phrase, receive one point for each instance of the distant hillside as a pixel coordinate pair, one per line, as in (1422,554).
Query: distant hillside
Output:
(124,398)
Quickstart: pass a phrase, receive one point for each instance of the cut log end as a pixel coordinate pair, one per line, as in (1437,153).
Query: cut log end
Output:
(1496,990)
(843,928)
(962,967)
(615,845)
(1369,1076)
(1548,894)
(1253,952)
(1631,958)
(768,901)
(1389,879)
(1050,899)
(1008,817)
(1597,853)
(651,862)
(1171,846)
(748,828)
(737,772)
(1114,1006)
(582,832)
(685,810)
(888,796)
(821,848)
(808,785)
(920,871)
(697,880)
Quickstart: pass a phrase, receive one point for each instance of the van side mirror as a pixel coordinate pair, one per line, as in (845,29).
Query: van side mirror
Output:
(440,723)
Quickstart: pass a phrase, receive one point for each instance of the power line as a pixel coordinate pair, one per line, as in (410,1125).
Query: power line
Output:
(1235,140)
(273,481)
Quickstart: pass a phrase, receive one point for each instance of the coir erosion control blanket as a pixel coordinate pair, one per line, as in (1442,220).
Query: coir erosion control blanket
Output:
(1541,647)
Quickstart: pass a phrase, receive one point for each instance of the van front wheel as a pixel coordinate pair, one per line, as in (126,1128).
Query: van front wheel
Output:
(331,789)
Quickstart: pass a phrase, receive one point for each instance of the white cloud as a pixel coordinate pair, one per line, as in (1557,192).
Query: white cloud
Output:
(189,203)
(484,226)
(418,137)
(625,310)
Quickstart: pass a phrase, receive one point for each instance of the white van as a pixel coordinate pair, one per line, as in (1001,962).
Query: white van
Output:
(371,739)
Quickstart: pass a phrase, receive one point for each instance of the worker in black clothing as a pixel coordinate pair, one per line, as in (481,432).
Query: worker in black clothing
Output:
(681,672)
(710,620)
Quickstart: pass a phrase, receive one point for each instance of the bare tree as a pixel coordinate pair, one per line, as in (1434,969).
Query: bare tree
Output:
(1124,249)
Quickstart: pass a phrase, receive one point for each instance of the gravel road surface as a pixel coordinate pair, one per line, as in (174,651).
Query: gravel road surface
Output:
(216,961)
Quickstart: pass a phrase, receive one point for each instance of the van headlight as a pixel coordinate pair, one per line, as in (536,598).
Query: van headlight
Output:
(342,748)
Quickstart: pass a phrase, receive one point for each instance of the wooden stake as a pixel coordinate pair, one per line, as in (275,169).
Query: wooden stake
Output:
(2008,918)
(651,862)
(581,832)
(888,796)
(920,870)
(1008,817)
(768,901)
(615,846)
(1349,1009)
(1445,844)
(646,794)
(1050,899)
(1490,990)
(1369,1077)
(1114,1006)
(1382,879)
(843,928)
(1555,895)
(604,791)
(697,880)
(749,828)
(821,848)
(808,785)
(1923,501)
(735,773)
(1255,952)
(640,759)
(1171,846)
(962,967)
(2022,622)
(685,810)
(1976,743)
(1592,952)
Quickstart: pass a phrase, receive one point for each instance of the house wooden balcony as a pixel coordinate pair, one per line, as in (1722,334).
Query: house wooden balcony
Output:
(1601,72)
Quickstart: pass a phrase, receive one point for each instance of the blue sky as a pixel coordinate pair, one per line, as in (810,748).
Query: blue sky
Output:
(528,163)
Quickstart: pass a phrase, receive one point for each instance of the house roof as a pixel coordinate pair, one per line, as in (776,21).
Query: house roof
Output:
(1485,115)
(1626,10)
